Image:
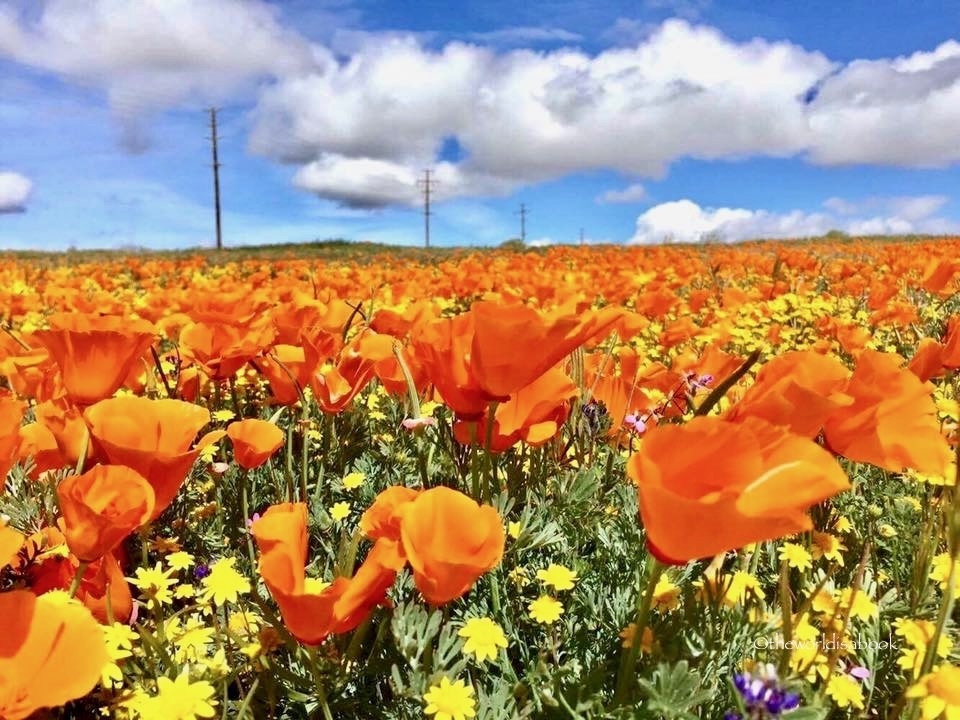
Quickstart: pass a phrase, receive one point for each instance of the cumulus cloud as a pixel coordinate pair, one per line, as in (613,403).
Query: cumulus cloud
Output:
(633,193)
(680,90)
(370,183)
(154,54)
(684,221)
(383,104)
(525,117)
(899,111)
(15,190)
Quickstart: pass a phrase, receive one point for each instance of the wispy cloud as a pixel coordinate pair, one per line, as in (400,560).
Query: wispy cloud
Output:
(631,194)
(526,34)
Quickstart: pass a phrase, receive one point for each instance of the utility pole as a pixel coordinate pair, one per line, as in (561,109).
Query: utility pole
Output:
(427,184)
(216,173)
(522,212)
(581,236)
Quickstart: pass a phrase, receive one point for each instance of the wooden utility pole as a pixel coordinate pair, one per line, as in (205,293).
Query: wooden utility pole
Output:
(581,236)
(522,212)
(216,174)
(427,184)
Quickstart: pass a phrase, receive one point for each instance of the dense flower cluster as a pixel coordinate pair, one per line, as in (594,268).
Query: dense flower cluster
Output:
(495,484)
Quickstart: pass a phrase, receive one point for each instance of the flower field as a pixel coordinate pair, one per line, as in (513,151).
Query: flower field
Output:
(714,481)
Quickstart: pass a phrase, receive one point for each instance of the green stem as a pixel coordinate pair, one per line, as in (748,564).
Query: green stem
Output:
(305,453)
(163,375)
(786,609)
(242,711)
(245,509)
(718,392)
(75,585)
(84,449)
(628,663)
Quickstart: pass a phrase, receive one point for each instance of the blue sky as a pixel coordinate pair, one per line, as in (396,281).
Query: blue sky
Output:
(636,121)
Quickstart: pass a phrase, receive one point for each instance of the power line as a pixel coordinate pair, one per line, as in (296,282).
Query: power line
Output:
(216,173)
(522,212)
(427,184)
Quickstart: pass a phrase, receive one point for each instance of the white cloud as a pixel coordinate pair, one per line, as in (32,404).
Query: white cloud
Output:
(370,183)
(15,190)
(684,221)
(363,116)
(900,111)
(524,117)
(154,54)
(633,193)
(916,207)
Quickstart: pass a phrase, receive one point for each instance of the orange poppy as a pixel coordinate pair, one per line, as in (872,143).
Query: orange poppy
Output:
(797,390)
(712,485)
(32,374)
(153,437)
(450,541)
(933,359)
(10,543)
(38,444)
(533,414)
(951,344)
(382,518)
(288,369)
(65,423)
(514,345)
(443,349)
(891,421)
(220,349)
(51,652)
(938,275)
(103,588)
(379,349)
(11,413)
(101,507)
(312,610)
(95,353)
(335,386)
(254,441)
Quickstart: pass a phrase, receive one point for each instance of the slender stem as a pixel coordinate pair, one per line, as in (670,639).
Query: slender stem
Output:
(318,678)
(75,585)
(718,392)
(305,453)
(408,378)
(857,584)
(245,509)
(487,445)
(786,608)
(291,491)
(84,449)
(163,375)
(628,663)
(242,711)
